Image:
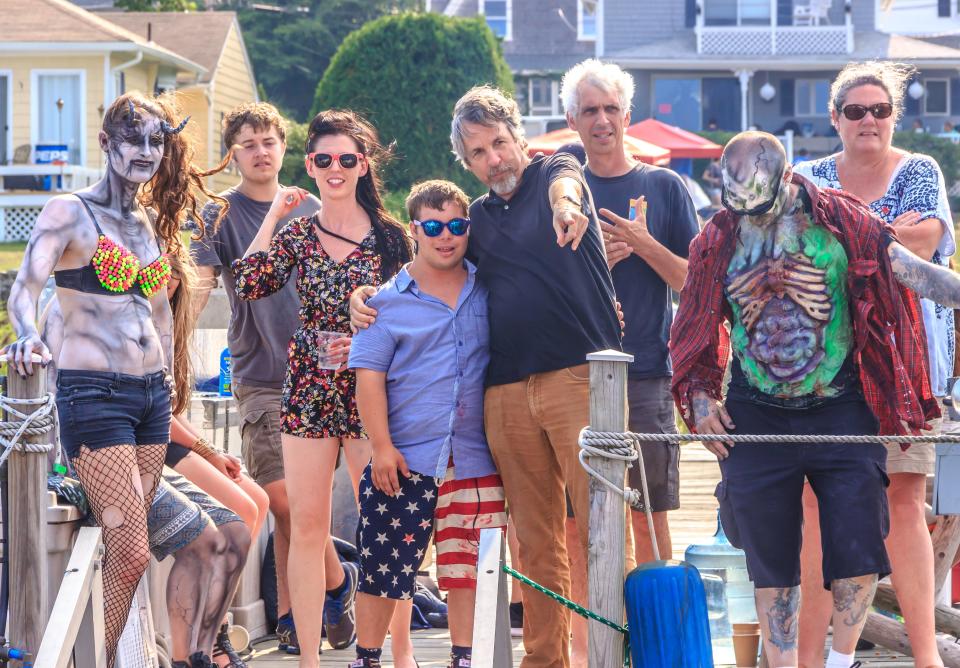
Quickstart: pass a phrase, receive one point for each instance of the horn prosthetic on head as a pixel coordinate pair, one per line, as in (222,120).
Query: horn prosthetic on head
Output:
(170,130)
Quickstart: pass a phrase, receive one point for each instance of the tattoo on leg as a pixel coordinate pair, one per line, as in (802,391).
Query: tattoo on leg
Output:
(852,598)
(782,618)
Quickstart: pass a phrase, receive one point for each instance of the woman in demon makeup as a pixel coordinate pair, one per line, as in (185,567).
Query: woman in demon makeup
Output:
(107,247)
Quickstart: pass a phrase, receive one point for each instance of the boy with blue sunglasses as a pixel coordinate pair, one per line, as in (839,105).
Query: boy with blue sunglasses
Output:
(420,371)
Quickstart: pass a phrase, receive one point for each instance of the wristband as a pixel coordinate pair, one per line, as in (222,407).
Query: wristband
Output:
(203,448)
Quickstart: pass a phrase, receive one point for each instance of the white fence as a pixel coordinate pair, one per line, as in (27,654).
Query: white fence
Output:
(19,208)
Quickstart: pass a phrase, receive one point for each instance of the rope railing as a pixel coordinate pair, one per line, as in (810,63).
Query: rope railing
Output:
(38,423)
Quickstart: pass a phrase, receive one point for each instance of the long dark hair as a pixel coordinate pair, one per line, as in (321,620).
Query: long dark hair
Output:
(393,244)
(177,191)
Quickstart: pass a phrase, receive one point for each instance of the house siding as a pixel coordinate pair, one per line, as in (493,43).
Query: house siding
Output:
(627,23)
(537,29)
(233,85)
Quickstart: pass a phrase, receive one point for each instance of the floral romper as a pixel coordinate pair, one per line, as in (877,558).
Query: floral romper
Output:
(317,403)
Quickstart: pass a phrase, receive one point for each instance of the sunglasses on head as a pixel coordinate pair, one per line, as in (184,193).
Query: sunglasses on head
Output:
(854,112)
(757,210)
(434,228)
(346,160)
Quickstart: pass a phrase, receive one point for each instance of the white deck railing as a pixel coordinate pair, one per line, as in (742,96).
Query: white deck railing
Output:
(19,207)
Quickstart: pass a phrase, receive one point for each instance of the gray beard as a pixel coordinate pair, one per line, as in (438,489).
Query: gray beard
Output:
(506,186)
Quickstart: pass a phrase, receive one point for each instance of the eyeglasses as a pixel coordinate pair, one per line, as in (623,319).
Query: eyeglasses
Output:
(854,112)
(434,228)
(346,160)
(757,210)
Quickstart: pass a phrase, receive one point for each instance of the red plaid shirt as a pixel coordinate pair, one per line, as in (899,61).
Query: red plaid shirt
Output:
(890,345)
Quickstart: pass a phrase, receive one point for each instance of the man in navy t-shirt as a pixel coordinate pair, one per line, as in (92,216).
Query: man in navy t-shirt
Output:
(647,253)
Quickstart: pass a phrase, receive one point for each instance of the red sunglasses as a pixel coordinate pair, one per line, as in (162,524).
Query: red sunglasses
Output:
(346,160)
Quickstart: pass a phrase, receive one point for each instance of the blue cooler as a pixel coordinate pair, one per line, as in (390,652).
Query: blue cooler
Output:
(667,616)
(52,154)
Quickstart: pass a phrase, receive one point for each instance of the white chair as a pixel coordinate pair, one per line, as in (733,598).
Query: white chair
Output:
(812,13)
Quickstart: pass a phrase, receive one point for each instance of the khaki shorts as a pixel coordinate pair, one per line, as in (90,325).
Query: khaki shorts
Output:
(919,457)
(259,409)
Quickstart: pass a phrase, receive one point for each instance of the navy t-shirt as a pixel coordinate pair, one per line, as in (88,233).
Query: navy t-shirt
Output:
(643,295)
(549,306)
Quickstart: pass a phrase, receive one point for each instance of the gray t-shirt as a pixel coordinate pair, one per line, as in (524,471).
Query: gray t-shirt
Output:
(259,330)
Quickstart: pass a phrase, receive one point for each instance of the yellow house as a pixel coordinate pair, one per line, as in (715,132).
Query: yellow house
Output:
(61,66)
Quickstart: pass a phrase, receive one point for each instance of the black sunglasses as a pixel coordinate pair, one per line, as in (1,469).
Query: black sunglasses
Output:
(346,160)
(434,228)
(757,210)
(854,112)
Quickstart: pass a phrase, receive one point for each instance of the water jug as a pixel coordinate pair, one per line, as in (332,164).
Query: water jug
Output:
(667,616)
(716,556)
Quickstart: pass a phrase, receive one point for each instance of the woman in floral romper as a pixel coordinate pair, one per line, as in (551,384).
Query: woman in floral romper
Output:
(352,241)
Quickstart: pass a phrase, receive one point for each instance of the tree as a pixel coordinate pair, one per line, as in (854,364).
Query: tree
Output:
(290,42)
(156,5)
(404,73)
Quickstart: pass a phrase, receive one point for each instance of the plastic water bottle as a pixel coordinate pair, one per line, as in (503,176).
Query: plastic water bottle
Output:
(226,363)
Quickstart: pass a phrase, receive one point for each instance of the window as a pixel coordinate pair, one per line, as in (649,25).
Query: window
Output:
(737,13)
(587,19)
(58,110)
(811,97)
(544,97)
(678,102)
(498,16)
(936,101)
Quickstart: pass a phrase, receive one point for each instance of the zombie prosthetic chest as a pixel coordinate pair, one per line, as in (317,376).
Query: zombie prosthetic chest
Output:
(786,286)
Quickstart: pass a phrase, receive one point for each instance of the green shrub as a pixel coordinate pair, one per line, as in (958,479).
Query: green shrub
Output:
(293,172)
(404,73)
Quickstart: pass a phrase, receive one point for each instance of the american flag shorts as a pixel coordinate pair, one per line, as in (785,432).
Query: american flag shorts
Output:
(395,531)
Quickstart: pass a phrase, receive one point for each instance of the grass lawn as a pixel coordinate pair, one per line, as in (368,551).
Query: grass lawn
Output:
(11,254)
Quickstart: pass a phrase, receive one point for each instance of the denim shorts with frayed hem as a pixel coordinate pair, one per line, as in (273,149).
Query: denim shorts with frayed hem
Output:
(99,409)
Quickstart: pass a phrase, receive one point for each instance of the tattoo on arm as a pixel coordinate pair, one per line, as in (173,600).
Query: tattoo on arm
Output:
(851,599)
(928,280)
(782,618)
(701,406)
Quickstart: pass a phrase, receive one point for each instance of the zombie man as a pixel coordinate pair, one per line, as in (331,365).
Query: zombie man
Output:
(827,340)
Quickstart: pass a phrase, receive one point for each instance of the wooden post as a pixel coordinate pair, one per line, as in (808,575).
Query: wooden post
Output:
(608,412)
(27,474)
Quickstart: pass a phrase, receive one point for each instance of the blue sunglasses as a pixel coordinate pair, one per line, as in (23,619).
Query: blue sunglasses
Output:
(434,228)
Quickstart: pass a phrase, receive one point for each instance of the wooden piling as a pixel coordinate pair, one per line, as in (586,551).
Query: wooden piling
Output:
(27,551)
(608,412)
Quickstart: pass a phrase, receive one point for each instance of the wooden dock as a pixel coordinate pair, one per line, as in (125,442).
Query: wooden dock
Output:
(695,520)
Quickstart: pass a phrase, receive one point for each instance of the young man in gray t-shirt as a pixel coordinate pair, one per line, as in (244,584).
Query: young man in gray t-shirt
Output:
(258,337)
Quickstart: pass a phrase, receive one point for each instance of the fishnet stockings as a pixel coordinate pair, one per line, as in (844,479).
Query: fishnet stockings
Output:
(112,478)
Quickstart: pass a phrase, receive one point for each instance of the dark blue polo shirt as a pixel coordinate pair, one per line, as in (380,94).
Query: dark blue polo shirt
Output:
(549,306)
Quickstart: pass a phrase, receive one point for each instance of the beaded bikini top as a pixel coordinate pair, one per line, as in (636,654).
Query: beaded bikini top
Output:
(114,270)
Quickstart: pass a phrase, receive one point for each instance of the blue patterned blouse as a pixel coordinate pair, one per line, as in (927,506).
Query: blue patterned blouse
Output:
(916,185)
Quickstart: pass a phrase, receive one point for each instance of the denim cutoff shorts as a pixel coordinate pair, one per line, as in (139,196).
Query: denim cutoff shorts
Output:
(99,409)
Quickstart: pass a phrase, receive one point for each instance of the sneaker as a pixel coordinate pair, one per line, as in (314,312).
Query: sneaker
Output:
(364,663)
(338,619)
(200,660)
(516,620)
(459,662)
(223,647)
(287,634)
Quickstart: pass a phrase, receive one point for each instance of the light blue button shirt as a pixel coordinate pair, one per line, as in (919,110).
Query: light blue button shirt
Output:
(435,359)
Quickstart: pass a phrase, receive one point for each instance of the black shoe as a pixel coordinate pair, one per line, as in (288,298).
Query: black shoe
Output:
(459,662)
(364,663)
(223,647)
(200,660)
(287,635)
(863,645)
(338,617)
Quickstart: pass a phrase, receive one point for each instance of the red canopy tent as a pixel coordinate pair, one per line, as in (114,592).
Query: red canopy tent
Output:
(682,143)
(640,149)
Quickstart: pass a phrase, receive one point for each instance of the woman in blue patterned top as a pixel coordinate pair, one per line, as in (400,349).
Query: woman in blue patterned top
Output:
(907,191)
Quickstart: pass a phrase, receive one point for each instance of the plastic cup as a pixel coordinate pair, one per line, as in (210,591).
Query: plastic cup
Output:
(324,339)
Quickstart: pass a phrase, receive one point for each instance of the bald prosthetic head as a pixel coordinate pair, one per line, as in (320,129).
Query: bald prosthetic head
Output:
(754,165)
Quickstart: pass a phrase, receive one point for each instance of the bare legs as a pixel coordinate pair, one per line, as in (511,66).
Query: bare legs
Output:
(120,482)
(280,507)
(308,468)
(817,602)
(244,497)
